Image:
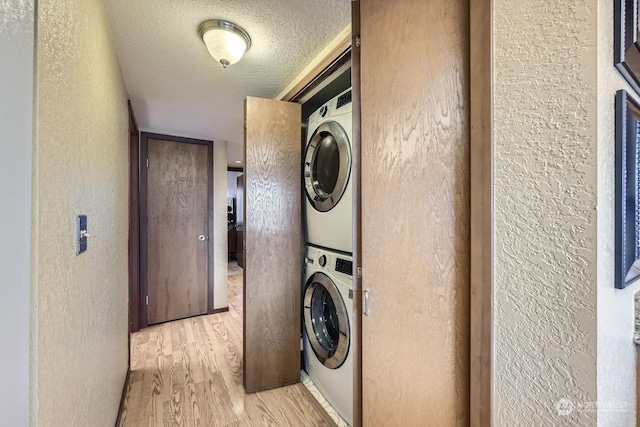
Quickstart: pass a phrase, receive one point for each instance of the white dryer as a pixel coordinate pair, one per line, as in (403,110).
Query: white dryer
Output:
(327,307)
(327,175)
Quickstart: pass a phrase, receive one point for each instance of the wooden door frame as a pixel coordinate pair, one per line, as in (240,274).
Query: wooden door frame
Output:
(143,180)
(356,179)
(334,60)
(482,213)
(134,223)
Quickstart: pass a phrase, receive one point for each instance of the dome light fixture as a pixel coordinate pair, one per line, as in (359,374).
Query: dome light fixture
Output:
(225,41)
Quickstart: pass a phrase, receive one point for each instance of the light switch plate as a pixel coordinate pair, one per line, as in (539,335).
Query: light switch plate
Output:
(81,234)
(636,323)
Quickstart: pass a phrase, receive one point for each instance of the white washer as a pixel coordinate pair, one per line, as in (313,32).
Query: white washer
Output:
(327,175)
(327,307)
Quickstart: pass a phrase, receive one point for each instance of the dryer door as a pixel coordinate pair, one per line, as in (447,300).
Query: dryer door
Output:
(326,321)
(327,165)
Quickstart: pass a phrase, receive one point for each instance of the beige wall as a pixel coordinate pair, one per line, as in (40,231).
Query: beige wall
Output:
(616,351)
(79,316)
(545,210)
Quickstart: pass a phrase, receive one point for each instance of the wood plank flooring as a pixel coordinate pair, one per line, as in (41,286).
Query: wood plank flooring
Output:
(189,373)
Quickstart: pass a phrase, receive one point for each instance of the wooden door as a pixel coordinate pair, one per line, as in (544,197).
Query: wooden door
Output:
(415,211)
(273,244)
(177,220)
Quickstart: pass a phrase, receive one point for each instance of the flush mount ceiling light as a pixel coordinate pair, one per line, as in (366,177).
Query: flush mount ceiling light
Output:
(225,41)
(238,162)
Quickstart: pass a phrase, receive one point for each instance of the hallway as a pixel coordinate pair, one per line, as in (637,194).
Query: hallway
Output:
(189,373)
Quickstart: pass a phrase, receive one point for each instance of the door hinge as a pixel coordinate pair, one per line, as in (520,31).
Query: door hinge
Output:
(146,300)
(359,272)
(147,162)
(358,41)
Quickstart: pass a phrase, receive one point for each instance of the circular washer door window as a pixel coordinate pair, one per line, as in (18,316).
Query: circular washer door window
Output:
(327,165)
(326,321)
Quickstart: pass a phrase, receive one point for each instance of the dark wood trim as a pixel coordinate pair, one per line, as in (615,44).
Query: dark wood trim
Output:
(211,279)
(220,310)
(133,123)
(134,224)
(125,388)
(482,251)
(173,138)
(144,151)
(338,64)
(356,177)
(320,71)
(234,169)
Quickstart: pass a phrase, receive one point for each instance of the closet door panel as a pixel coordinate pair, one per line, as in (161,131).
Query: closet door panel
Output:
(273,244)
(415,212)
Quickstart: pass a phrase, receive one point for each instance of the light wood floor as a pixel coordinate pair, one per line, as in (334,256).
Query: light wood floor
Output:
(189,373)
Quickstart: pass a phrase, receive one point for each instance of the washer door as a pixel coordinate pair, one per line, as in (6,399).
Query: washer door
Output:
(327,165)
(326,321)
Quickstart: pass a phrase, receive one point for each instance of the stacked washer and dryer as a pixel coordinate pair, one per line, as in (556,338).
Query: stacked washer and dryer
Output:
(328,291)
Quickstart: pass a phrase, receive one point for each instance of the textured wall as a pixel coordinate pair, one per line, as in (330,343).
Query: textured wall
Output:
(16,112)
(220,241)
(545,210)
(79,324)
(616,351)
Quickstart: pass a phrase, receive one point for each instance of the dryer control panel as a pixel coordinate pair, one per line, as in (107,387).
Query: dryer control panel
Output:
(339,105)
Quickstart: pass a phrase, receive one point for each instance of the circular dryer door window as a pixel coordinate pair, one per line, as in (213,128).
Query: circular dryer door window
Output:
(327,166)
(326,321)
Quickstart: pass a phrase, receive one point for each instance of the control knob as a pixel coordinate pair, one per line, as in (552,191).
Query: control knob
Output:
(322,261)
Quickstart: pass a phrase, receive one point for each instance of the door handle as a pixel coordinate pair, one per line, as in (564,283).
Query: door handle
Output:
(366,302)
(202,238)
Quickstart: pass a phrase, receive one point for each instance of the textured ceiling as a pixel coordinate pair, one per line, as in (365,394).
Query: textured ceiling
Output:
(177,88)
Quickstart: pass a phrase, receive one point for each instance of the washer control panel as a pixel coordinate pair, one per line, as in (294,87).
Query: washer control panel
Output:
(330,262)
